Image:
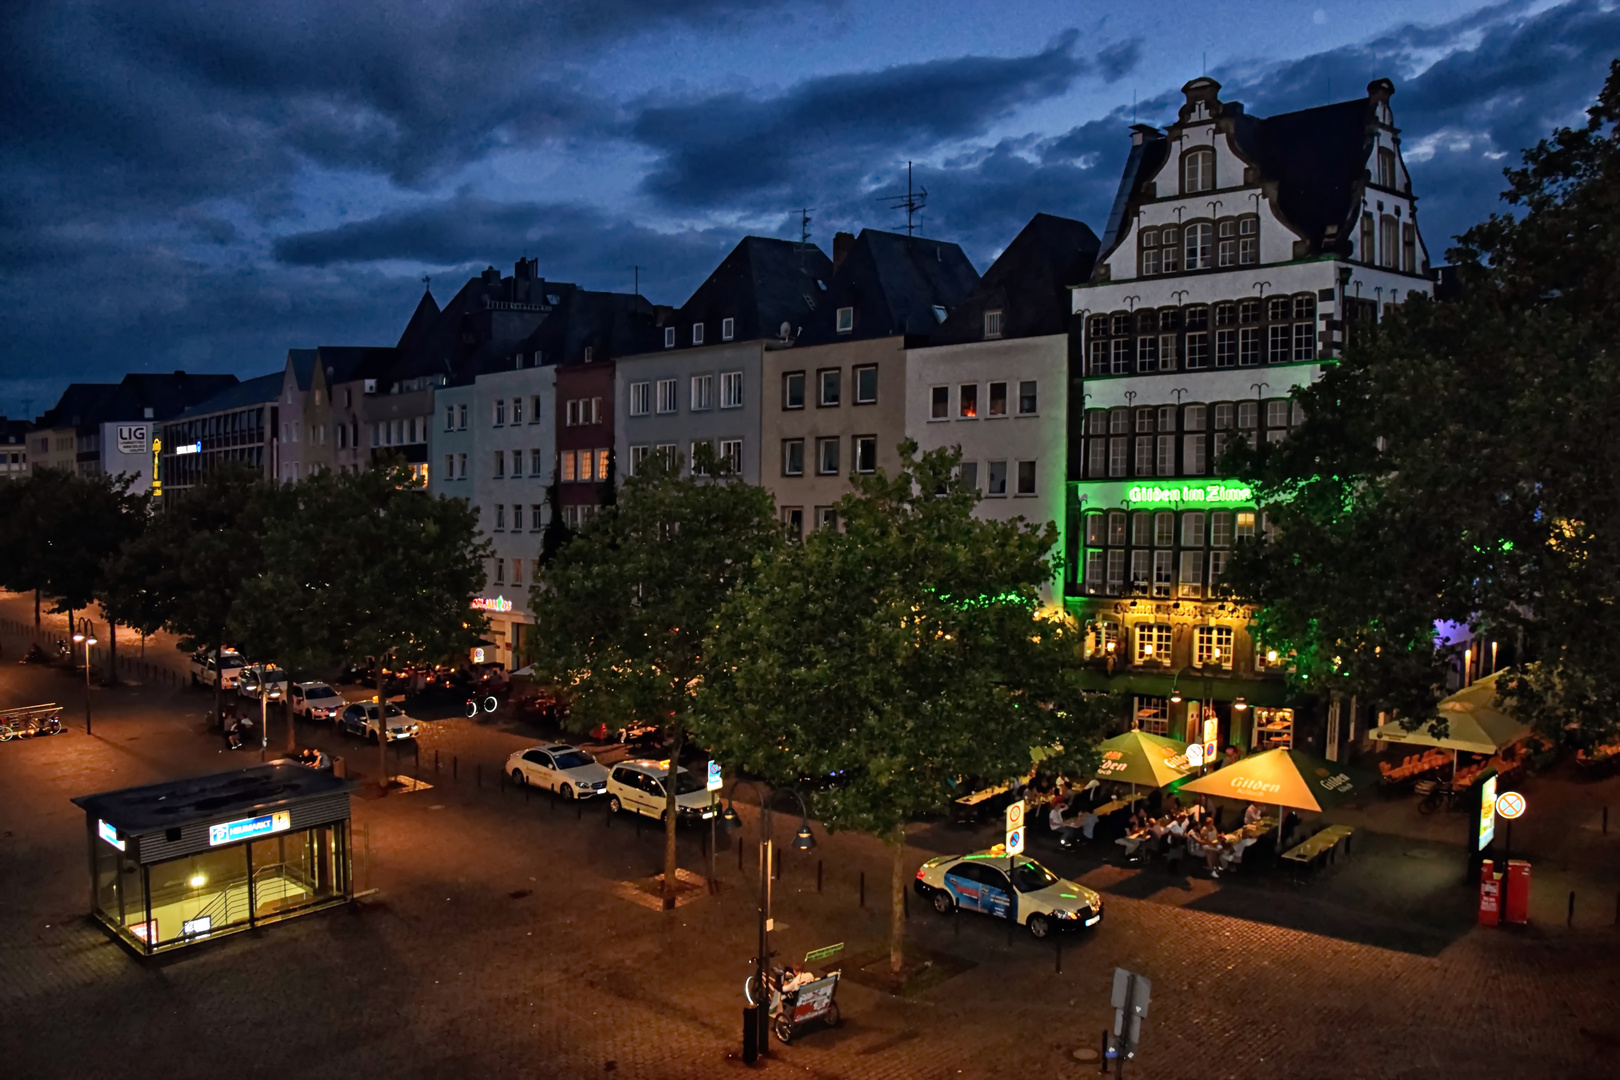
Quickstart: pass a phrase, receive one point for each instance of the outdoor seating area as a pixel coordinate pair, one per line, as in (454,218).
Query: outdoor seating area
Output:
(1413,766)
(1598,759)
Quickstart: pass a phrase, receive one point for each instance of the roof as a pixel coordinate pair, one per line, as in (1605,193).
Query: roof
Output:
(1028,283)
(1148,150)
(1317,156)
(84,405)
(346,363)
(139,811)
(762,283)
(168,394)
(893,282)
(421,321)
(302,363)
(244,395)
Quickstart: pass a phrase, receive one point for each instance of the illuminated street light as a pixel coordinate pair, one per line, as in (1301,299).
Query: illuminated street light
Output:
(88,641)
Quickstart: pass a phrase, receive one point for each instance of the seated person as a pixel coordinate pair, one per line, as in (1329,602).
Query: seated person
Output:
(1066,832)
(1252,814)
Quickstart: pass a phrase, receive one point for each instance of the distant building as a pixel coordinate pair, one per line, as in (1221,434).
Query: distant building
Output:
(240,424)
(14,448)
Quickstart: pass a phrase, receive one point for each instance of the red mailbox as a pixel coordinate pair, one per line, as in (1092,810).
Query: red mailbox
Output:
(1516,899)
(1490,894)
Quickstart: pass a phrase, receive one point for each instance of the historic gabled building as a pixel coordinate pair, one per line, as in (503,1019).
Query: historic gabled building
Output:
(1240,255)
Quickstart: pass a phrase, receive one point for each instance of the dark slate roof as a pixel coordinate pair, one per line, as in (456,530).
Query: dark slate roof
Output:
(346,363)
(139,811)
(611,324)
(1318,157)
(421,321)
(1147,154)
(763,283)
(168,394)
(302,362)
(1029,283)
(893,282)
(84,405)
(14,431)
(256,391)
(485,322)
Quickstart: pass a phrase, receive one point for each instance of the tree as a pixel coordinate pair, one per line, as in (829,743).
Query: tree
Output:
(1459,465)
(623,609)
(368,565)
(21,553)
(901,654)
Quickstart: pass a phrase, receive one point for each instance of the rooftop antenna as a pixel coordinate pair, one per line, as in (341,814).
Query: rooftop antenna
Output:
(636,277)
(804,225)
(911,202)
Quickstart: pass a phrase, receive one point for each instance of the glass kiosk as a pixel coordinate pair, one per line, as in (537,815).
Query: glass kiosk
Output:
(176,863)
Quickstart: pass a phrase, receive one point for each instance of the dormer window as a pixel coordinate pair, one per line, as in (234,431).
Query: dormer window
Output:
(992,323)
(1386,168)
(939,313)
(1197,171)
(669,337)
(697,333)
(728,329)
(846,319)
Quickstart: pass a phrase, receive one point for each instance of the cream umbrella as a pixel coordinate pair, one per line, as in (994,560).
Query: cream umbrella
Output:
(1473,724)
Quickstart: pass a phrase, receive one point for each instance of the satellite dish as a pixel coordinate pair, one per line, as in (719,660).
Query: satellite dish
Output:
(786,331)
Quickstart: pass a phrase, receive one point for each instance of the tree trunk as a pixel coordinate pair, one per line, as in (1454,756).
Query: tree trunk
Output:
(671,818)
(112,654)
(71,631)
(897,903)
(382,726)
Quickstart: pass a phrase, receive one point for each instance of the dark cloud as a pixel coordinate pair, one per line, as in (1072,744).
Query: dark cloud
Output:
(730,148)
(1119,59)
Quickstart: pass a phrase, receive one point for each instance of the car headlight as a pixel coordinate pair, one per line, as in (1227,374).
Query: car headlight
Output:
(1067,914)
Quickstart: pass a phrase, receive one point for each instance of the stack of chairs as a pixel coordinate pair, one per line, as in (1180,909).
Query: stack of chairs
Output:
(1413,766)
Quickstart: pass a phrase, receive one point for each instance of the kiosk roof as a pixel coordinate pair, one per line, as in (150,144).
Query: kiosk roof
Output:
(156,807)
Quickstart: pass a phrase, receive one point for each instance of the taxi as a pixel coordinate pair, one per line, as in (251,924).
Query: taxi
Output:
(1036,898)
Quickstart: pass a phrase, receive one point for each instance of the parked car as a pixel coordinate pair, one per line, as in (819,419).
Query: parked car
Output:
(316,701)
(638,786)
(1037,898)
(274,679)
(567,770)
(365,718)
(204,664)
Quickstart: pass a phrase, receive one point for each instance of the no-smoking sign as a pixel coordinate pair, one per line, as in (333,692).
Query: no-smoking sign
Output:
(1510,804)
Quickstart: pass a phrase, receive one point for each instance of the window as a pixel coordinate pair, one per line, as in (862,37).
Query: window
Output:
(1150,256)
(1141,572)
(638,454)
(697,333)
(1193,461)
(793,390)
(1170,254)
(1141,529)
(1122,353)
(1408,248)
(792,457)
(602,464)
(1282,342)
(1096,529)
(500,516)
(1276,414)
(1367,231)
(1226,247)
(1147,353)
(500,463)
(970,474)
(998,478)
(1217,567)
(692,456)
(865,384)
(1386,167)
(1248,413)
(1117,449)
(1197,172)
(517,463)
(462,460)
(1225,348)
(1116,572)
(534,408)
(536,517)
(1244,525)
(1223,417)
(831,383)
(669,337)
(449,466)
(1249,346)
(517,517)
(1144,455)
(1220,529)
(500,411)
(793,519)
(568,473)
(500,571)
(1028,401)
(449,418)
(1194,418)
(728,329)
(1192,529)
(666,395)
(826,517)
(517,571)
(865,453)
(1165,457)
(731,389)
(992,323)
(846,319)
(534,461)
(517,410)
(1152,643)
(1197,240)
(939,404)
(967,401)
(640,398)
(827,457)
(730,454)
(1248,241)
(702,392)
(1388,240)
(1212,646)
(1026,478)
(1192,573)
(1162,577)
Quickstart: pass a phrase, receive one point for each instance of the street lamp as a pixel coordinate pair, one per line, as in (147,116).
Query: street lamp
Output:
(88,641)
(803,840)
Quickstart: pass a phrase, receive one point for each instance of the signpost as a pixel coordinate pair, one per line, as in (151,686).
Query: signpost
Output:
(1510,804)
(1015,830)
(1130,1000)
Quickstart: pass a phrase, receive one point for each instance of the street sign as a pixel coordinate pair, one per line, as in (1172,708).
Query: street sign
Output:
(1130,1000)
(1510,804)
(1195,755)
(1015,828)
(715,783)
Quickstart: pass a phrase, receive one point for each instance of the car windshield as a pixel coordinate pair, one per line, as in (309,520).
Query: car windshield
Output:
(573,759)
(394,710)
(1032,877)
(320,692)
(686,783)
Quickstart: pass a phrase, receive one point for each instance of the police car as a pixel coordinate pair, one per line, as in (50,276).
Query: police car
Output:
(1038,898)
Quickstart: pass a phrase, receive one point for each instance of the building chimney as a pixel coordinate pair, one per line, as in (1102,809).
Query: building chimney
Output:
(1144,133)
(842,242)
(1380,90)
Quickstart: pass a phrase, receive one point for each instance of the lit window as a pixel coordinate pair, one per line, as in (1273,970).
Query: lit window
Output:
(568,473)
(1152,643)
(967,399)
(1212,646)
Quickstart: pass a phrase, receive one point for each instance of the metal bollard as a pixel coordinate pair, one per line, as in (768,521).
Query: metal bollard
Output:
(1057,953)
(863,888)
(750,1034)
(1570,919)
(739,853)
(1102,1058)
(818,875)
(1605,821)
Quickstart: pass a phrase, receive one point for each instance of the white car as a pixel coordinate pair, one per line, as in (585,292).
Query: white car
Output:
(204,666)
(316,701)
(558,767)
(274,679)
(1038,898)
(365,718)
(638,786)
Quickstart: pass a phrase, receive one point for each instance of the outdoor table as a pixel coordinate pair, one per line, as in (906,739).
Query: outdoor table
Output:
(1120,803)
(1323,843)
(984,796)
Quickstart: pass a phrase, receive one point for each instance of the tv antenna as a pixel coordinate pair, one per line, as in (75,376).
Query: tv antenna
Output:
(427,283)
(912,202)
(804,225)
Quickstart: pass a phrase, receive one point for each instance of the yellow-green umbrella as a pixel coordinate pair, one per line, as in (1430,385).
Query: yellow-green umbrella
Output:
(1474,723)
(1139,758)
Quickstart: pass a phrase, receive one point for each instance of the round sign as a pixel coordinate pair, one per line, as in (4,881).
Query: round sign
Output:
(1015,815)
(1510,804)
(1195,755)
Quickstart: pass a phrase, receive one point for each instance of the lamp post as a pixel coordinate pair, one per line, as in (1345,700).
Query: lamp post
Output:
(88,641)
(803,840)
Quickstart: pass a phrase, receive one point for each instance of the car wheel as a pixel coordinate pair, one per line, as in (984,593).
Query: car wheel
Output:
(375,737)
(832,1016)
(568,792)
(518,778)
(614,805)
(1039,926)
(943,903)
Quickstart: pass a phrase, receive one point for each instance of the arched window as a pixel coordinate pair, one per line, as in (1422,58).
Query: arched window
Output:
(1197,171)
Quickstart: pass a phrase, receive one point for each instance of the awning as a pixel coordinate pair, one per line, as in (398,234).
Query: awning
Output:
(1284,777)
(1474,724)
(1139,758)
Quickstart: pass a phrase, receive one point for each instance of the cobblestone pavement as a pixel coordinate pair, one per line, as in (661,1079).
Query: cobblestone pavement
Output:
(496,945)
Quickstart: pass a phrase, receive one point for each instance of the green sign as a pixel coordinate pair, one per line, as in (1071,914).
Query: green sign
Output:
(1182,494)
(821,954)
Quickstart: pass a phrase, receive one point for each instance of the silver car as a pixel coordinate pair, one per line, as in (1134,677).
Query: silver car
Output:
(567,770)
(273,678)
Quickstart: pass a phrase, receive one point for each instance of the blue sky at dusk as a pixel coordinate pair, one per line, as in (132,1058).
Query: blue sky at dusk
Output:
(203,186)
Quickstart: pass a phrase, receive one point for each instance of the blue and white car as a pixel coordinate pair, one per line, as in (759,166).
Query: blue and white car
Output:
(1036,897)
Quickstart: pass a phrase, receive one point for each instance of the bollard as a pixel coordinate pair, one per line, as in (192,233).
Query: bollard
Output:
(435,761)
(863,888)
(739,853)
(478,774)
(818,875)
(1605,821)
(1057,953)
(1570,920)
(750,1034)
(1102,1058)
(455,767)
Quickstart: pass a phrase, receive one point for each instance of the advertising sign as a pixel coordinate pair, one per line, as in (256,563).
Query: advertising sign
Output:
(109,834)
(132,438)
(229,831)
(1487,811)
(496,603)
(1195,755)
(1192,495)
(715,781)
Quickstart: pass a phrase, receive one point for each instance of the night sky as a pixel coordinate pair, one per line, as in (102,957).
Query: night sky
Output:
(207,185)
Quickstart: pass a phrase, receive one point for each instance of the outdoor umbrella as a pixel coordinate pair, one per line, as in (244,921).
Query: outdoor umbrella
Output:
(1473,723)
(1284,777)
(1139,758)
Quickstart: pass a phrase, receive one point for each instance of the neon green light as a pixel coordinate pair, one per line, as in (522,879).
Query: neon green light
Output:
(1110,495)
